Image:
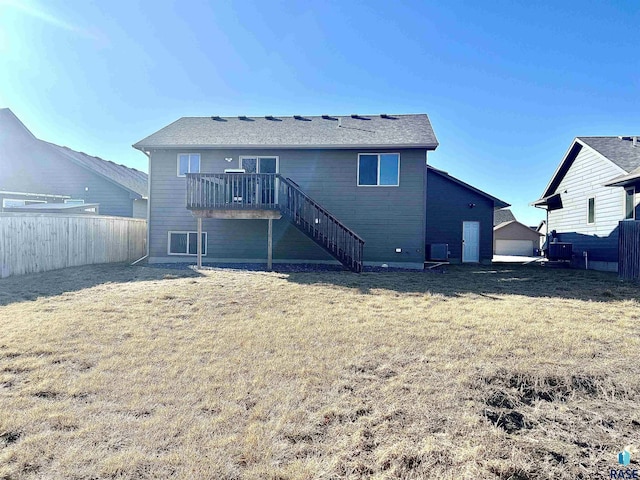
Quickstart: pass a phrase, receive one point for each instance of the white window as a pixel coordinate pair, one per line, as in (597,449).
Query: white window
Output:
(188,163)
(378,169)
(259,164)
(12,202)
(630,203)
(74,201)
(185,243)
(591,210)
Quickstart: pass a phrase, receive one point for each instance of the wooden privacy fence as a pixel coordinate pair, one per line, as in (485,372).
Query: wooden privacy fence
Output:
(629,250)
(40,242)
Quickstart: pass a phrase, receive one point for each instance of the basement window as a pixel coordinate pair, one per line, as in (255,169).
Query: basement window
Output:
(591,210)
(188,163)
(186,243)
(629,204)
(378,169)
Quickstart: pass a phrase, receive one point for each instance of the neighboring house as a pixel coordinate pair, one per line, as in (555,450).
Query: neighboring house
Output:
(33,171)
(542,230)
(515,238)
(30,206)
(460,216)
(511,237)
(594,187)
(502,216)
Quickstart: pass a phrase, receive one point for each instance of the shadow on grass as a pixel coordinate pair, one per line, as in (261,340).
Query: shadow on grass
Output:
(486,281)
(23,288)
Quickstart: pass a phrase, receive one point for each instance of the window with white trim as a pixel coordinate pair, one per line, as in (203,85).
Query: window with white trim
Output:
(378,169)
(188,163)
(630,203)
(185,243)
(591,210)
(74,201)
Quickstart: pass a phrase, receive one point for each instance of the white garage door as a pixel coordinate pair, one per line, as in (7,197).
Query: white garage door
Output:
(514,247)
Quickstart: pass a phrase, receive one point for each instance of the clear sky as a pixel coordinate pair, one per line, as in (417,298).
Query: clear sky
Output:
(507,84)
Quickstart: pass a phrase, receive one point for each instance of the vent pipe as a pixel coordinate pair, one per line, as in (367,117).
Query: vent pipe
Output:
(635,141)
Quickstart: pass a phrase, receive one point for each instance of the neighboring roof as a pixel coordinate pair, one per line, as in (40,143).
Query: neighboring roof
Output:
(8,119)
(516,223)
(502,216)
(39,195)
(54,207)
(618,150)
(541,225)
(131,179)
(497,203)
(623,180)
(552,202)
(58,206)
(370,131)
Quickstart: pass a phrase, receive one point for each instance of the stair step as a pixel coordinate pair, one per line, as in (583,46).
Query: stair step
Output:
(314,231)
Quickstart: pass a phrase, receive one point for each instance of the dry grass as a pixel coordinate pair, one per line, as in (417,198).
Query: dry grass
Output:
(133,372)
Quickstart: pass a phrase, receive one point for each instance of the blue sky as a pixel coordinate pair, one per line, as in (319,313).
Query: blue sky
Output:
(507,84)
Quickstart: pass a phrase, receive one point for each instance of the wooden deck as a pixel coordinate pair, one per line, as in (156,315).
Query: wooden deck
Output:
(271,196)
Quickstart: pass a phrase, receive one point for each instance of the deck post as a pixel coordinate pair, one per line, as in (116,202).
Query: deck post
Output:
(270,246)
(199,242)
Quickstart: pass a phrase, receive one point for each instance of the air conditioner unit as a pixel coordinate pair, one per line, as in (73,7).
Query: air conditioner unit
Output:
(439,252)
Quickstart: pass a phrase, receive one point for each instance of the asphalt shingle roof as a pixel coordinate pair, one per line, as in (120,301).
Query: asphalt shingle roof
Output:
(497,203)
(619,151)
(502,216)
(130,178)
(296,132)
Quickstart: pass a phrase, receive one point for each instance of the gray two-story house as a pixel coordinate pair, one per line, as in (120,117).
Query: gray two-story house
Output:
(300,189)
(591,191)
(36,175)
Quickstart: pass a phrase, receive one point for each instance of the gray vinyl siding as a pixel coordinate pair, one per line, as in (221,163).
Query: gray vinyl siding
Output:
(447,207)
(385,217)
(140,208)
(585,178)
(28,166)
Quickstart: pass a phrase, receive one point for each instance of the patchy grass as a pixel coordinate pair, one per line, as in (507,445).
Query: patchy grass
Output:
(134,372)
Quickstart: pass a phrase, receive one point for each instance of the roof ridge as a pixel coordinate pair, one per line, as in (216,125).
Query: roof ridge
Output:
(93,156)
(235,117)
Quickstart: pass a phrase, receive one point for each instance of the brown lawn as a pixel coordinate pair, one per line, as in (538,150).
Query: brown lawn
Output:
(137,372)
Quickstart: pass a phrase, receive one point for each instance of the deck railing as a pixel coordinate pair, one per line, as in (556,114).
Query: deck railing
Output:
(212,191)
(321,226)
(246,191)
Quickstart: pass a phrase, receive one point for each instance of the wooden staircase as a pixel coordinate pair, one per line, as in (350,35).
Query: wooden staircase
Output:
(263,195)
(320,226)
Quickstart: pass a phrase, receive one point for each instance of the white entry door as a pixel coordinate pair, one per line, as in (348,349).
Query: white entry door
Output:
(471,242)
